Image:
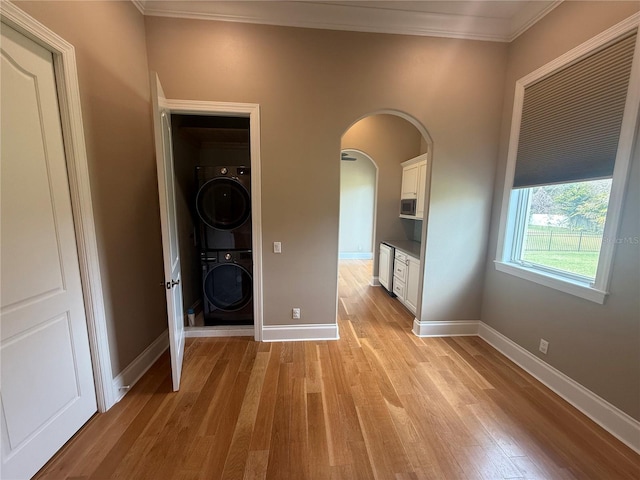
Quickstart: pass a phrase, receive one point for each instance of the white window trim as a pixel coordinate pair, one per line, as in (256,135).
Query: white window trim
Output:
(598,290)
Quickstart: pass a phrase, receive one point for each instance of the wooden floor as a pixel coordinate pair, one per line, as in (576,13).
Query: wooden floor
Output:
(379,403)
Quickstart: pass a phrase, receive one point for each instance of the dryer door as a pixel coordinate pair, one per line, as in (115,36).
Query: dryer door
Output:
(223,203)
(228,287)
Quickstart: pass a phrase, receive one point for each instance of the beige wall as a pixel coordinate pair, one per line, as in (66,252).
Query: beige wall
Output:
(109,39)
(596,345)
(311,86)
(389,140)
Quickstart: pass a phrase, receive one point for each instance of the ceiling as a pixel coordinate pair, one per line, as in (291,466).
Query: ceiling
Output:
(500,21)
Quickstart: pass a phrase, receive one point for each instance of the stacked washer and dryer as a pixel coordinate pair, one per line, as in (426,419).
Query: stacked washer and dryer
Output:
(223,204)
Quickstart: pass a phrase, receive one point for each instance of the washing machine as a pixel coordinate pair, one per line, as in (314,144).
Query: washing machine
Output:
(227,284)
(223,204)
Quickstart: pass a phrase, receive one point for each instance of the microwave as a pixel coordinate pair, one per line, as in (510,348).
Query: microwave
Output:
(408,206)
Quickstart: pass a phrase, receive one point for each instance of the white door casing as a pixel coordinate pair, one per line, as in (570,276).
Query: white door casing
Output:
(251,111)
(47,388)
(169,226)
(64,62)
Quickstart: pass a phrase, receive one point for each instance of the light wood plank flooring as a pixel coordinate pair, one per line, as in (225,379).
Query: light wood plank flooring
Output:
(379,403)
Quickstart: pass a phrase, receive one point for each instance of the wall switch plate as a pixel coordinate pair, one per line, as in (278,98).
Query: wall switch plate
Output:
(544,346)
(295,313)
(277,247)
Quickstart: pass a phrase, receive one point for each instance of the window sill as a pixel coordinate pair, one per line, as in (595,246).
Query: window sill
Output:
(572,287)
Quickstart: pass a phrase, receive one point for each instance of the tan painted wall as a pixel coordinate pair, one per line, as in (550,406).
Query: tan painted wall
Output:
(311,86)
(109,39)
(389,140)
(596,345)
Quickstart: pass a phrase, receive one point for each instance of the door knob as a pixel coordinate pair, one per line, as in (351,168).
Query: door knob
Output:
(172,284)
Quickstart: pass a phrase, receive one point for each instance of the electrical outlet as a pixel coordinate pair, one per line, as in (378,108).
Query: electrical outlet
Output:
(295,313)
(544,346)
(277,247)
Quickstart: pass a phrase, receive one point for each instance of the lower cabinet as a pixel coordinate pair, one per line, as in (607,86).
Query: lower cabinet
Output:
(413,284)
(406,280)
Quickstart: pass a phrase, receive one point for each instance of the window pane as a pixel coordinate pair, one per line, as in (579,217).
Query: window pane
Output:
(565,226)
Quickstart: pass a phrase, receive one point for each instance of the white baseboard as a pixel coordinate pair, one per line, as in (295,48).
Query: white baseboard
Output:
(219,331)
(462,328)
(355,256)
(310,332)
(136,369)
(375,282)
(615,421)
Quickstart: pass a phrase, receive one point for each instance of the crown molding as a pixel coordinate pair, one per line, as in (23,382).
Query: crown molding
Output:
(139,4)
(355,18)
(527,18)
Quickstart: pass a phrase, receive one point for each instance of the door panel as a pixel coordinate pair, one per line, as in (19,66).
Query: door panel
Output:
(52,375)
(169,225)
(47,390)
(34,261)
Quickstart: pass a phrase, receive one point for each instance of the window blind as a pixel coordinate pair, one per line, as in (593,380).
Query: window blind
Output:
(571,120)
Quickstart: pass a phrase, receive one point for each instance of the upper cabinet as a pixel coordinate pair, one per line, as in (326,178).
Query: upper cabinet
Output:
(414,179)
(409,182)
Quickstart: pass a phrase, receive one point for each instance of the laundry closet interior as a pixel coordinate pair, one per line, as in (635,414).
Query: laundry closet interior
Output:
(212,173)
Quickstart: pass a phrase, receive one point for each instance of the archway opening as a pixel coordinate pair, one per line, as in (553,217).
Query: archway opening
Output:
(370,212)
(358,179)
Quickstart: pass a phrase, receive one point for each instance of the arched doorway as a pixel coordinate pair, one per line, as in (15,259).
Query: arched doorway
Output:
(358,181)
(388,138)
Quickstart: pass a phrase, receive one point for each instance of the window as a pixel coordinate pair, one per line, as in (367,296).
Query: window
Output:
(571,141)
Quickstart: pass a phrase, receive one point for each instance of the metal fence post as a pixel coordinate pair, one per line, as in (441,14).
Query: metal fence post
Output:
(580,241)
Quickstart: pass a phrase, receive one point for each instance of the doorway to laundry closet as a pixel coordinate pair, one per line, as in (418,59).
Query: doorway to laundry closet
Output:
(212,168)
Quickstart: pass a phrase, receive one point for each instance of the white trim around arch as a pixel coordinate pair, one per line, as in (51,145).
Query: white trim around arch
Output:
(251,110)
(66,74)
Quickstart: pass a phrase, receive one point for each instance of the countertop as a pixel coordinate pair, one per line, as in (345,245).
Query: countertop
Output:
(407,246)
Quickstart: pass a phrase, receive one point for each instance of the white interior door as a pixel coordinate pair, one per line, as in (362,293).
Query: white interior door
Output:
(171,253)
(46,378)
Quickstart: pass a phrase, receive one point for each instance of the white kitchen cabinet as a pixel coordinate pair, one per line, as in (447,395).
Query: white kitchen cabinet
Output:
(412,285)
(384,266)
(406,279)
(409,182)
(414,179)
(422,183)
(399,274)
(400,267)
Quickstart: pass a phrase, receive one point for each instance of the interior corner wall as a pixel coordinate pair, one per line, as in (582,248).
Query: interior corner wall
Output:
(311,85)
(389,140)
(596,345)
(110,45)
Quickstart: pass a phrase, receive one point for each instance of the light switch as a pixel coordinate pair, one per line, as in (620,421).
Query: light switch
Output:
(277,247)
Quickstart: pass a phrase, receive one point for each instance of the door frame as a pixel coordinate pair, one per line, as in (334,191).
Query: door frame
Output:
(66,75)
(251,111)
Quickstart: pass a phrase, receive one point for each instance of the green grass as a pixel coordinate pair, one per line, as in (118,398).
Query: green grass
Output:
(581,263)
